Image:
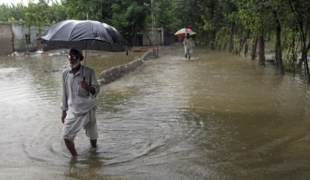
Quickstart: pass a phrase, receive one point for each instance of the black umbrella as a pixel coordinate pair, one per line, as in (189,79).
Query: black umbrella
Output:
(85,35)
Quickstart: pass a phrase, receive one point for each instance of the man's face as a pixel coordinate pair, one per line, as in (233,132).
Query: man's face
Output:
(74,59)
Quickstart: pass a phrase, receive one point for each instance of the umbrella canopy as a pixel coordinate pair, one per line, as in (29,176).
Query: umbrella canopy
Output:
(84,35)
(182,32)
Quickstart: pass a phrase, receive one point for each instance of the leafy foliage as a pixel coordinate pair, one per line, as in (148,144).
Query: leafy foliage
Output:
(216,22)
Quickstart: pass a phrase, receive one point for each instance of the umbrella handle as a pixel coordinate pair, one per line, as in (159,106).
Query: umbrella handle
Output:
(84,53)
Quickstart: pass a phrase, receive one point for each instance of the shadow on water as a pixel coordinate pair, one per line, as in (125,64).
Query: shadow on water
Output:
(216,116)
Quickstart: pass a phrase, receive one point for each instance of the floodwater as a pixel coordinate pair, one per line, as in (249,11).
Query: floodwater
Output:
(217,116)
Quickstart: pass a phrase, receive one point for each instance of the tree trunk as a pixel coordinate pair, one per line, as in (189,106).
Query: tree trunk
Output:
(261,49)
(269,36)
(224,46)
(304,49)
(246,47)
(294,52)
(278,55)
(254,48)
(245,41)
(302,59)
(303,37)
(231,37)
(212,38)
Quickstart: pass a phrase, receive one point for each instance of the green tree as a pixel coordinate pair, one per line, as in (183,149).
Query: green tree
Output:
(77,9)
(12,12)
(57,12)
(5,13)
(130,17)
(97,10)
(167,15)
(301,9)
(37,14)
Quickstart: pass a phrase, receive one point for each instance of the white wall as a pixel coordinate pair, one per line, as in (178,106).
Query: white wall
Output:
(155,35)
(19,36)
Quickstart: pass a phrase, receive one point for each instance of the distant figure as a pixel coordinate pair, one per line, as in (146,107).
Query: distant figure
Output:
(188,46)
(79,101)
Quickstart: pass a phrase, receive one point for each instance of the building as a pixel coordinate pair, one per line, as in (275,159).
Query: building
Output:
(157,36)
(17,37)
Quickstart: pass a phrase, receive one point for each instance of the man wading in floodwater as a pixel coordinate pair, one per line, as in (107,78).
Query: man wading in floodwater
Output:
(79,101)
(188,43)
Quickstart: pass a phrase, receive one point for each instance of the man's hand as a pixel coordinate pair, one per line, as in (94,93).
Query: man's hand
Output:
(63,116)
(84,84)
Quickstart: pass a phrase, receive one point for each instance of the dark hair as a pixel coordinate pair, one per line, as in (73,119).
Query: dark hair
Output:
(187,35)
(77,52)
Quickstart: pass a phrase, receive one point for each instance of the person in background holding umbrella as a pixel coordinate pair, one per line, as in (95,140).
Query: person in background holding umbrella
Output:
(188,46)
(79,101)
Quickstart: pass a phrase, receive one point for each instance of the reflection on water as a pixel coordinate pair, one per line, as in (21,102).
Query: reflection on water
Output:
(216,116)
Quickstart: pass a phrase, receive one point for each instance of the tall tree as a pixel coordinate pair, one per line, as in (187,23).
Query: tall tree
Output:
(130,17)
(301,13)
(213,20)
(167,15)
(80,9)
(12,12)
(37,14)
(57,12)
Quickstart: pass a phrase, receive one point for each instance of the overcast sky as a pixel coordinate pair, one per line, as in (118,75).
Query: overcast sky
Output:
(13,1)
(25,2)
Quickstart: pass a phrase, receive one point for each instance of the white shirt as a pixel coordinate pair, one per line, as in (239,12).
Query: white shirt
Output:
(74,97)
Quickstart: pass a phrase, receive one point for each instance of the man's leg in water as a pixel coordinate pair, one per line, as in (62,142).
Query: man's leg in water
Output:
(71,147)
(187,53)
(93,143)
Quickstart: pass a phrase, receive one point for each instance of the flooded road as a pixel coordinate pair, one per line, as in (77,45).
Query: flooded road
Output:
(217,116)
